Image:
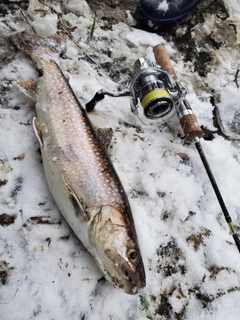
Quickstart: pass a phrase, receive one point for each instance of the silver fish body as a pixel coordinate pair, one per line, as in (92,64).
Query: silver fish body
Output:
(81,177)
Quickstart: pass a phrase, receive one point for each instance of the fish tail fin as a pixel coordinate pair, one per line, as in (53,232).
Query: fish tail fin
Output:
(36,46)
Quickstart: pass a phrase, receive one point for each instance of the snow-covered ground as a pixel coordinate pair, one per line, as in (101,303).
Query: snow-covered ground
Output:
(192,264)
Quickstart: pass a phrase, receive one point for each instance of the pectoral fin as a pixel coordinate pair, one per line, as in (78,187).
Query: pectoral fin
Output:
(38,131)
(29,88)
(78,207)
(80,210)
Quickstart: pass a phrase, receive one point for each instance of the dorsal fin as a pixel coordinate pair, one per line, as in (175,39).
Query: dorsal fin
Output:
(105,135)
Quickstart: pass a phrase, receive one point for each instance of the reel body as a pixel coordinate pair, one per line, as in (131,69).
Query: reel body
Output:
(154,95)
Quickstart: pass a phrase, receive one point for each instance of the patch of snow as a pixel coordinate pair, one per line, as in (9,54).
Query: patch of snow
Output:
(163,6)
(45,26)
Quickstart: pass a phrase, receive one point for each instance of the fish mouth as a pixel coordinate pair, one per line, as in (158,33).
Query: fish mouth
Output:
(135,280)
(130,278)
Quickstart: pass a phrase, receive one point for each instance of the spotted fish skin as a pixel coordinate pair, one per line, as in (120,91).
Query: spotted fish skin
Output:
(80,174)
(77,151)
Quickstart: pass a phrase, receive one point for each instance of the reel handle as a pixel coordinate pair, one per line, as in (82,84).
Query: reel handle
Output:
(188,121)
(92,103)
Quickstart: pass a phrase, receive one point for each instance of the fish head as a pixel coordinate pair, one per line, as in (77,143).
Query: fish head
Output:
(117,251)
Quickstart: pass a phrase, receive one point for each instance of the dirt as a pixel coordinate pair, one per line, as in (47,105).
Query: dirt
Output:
(171,259)
(112,11)
(5,270)
(198,239)
(6,219)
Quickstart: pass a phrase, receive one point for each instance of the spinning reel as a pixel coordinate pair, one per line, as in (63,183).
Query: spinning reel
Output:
(155,97)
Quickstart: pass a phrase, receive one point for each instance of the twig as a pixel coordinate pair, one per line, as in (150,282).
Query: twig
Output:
(218,124)
(6,302)
(90,36)
(28,22)
(236,78)
(146,307)
(79,47)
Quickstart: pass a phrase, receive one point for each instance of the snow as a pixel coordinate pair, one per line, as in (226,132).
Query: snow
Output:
(233,7)
(163,6)
(192,264)
(45,26)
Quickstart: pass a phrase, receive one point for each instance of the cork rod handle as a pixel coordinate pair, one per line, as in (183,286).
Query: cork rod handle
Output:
(188,122)
(162,58)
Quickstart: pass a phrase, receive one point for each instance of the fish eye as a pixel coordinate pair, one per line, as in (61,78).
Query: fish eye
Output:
(132,255)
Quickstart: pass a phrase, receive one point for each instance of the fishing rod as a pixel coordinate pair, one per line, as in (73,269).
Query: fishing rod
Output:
(194,136)
(155,96)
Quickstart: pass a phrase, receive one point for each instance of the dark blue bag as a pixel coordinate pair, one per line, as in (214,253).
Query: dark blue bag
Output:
(157,15)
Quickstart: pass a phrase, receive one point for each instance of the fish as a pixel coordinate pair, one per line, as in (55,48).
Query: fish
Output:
(79,171)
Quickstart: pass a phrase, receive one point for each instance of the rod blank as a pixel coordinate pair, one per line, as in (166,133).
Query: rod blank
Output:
(218,194)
